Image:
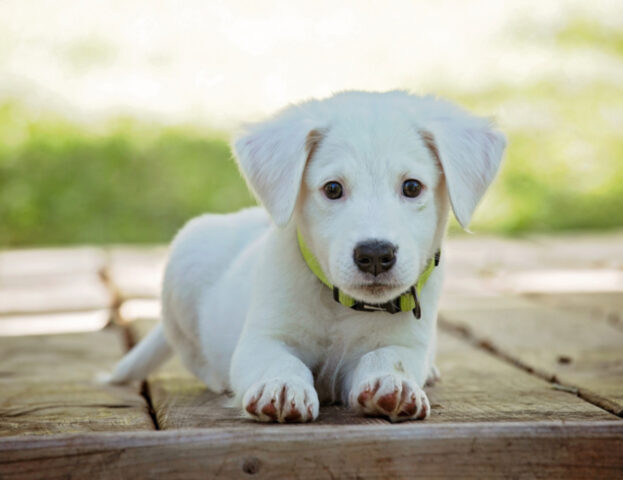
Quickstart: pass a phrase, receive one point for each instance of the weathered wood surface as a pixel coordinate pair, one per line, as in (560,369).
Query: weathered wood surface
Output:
(606,304)
(44,281)
(47,385)
(38,264)
(574,264)
(425,450)
(573,348)
(475,387)
(488,254)
(508,332)
(51,323)
(137,272)
(551,307)
(596,250)
(54,294)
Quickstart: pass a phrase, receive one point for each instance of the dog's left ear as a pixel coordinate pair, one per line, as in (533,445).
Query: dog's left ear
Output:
(272,157)
(470,152)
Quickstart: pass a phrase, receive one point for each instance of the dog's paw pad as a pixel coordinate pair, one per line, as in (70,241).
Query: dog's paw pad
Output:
(282,401)
(390,396)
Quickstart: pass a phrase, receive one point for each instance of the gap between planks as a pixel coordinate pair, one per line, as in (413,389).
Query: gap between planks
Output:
(129,340)
(463,332)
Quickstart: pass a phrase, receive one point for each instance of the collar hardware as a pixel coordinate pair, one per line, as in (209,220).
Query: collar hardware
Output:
(407,301)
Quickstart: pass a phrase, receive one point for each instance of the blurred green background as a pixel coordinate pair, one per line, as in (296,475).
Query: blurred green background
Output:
(131,179)
(124,181)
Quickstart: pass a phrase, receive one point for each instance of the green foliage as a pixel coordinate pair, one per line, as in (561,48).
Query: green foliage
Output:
(132,182)
(564,162)
(60,184)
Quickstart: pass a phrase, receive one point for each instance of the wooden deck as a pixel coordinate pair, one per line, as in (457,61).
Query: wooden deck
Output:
(531,355)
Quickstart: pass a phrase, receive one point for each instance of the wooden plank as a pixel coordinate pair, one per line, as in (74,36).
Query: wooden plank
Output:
(608,304)
(478,387)
(582,250)
(483,266)
(575,348)
(489,301)
(52,280)
(139,308)
(475,387)
(579,341)
(47,385)
(50,294)
(566,450)
(43,324)
(483,253)
(137,272)
(559,281)
(24,266)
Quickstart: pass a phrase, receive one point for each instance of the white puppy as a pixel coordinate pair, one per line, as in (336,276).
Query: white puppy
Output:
(335,299)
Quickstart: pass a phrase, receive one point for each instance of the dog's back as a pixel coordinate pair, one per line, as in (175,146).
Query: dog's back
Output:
(204,251)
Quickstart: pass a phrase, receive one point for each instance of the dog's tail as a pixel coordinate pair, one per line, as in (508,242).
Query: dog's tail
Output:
(149,354)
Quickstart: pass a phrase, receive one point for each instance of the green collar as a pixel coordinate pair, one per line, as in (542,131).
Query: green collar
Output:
(407,301)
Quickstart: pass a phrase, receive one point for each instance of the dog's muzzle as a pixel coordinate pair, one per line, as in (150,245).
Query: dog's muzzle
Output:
(407,301)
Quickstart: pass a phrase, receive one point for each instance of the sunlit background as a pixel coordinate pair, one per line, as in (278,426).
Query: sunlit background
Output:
(115,116)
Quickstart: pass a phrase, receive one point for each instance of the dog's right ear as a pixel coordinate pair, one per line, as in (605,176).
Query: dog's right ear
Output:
(272,157)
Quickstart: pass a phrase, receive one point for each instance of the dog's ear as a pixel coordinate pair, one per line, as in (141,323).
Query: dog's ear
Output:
(470,152)
(272,157)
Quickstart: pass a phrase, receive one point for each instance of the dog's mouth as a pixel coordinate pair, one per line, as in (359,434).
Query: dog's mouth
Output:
(376,292)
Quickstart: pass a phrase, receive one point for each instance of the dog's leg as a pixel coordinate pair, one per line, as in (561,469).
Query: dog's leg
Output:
(384,383)
(433,376)
(274,384)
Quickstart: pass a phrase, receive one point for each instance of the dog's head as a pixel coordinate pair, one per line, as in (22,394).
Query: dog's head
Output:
(367,178)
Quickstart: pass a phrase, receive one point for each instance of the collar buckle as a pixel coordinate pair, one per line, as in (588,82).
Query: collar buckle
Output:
(393,306)
(417,310)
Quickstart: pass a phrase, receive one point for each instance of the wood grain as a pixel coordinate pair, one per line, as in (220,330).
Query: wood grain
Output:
(47,385)
(475,387)
(609,305)
(575,348)
(490,417)
(566,450)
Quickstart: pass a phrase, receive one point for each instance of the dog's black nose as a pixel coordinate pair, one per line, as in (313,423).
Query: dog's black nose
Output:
(374,256)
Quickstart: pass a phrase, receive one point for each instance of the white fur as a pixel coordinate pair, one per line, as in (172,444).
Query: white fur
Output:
(246,314)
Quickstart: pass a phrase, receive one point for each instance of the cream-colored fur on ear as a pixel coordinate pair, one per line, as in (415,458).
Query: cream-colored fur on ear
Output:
(272,157)
(272,154)
(470,152)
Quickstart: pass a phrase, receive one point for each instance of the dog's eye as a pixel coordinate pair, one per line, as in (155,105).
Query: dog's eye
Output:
(333,190)
(411,188)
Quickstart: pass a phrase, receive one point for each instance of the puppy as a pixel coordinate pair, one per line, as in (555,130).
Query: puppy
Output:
(328,293)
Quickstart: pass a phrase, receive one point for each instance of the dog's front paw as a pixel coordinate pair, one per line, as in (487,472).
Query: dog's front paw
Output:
(391,396)
(282,401)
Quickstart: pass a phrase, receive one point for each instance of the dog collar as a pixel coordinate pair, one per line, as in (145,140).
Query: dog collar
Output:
(408,301)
